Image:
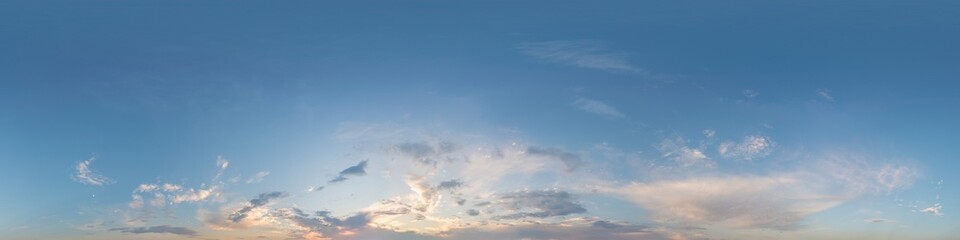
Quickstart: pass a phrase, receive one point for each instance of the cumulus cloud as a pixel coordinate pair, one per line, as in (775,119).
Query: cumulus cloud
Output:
(538,204)
(259,201)
(585,54)
(157,229)
(751,147)
(571,160)
(84,174)
(597,107)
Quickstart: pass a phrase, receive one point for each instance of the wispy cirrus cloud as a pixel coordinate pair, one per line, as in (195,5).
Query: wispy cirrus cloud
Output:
(597,107)
(585,54)
(83,173)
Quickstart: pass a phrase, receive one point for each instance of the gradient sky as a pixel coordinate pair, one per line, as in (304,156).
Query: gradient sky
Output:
(470,120)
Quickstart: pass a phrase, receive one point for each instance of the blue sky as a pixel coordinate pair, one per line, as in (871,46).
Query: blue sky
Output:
(479,120)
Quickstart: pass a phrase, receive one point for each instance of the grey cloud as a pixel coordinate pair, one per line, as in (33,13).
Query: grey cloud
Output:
(571,160)
(450,184)
(356,170)
(543,203)
(157,229)
(321,221)
(473,212)
(425,153)
(262,199)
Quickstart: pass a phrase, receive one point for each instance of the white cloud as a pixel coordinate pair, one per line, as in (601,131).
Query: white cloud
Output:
(825,94)
(751,147)
(709,133)
(222,165)
(750,93)
(774,201)
(258,177)
(597,107)
(84,174)
(935,210)
(879,220)
(585,54)
(676,150)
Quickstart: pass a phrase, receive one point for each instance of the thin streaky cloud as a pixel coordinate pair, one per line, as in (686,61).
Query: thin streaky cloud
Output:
(585,54)
(597,107)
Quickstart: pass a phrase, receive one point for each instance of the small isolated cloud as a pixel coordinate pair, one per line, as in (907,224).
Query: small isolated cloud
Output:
(709,133)
(571,160)
(750,93)
(222,165)
(879,220)
(258,177)
(825,94)
(585,54)
(538,204)
(676,150)
(261,200)
(597,107)
(84,174)
(355,170)
(935,210)
(157,229)
(751,147)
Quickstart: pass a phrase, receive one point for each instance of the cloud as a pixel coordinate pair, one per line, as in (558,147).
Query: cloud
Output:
(935,210)
(426,153)
(879,220)
(321,223)
(750,93)
(355,170)
(84,174)
(261,200)
(597,107)
(773,201)
(825,94)
(538,204)
(258,177)
(751,147)
(157,229)
(709,133)
(676,150)
(222,165)
(571,160)
(428,195)
(585,54)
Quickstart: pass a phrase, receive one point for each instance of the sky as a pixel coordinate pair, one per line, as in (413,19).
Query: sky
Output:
(479,119)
